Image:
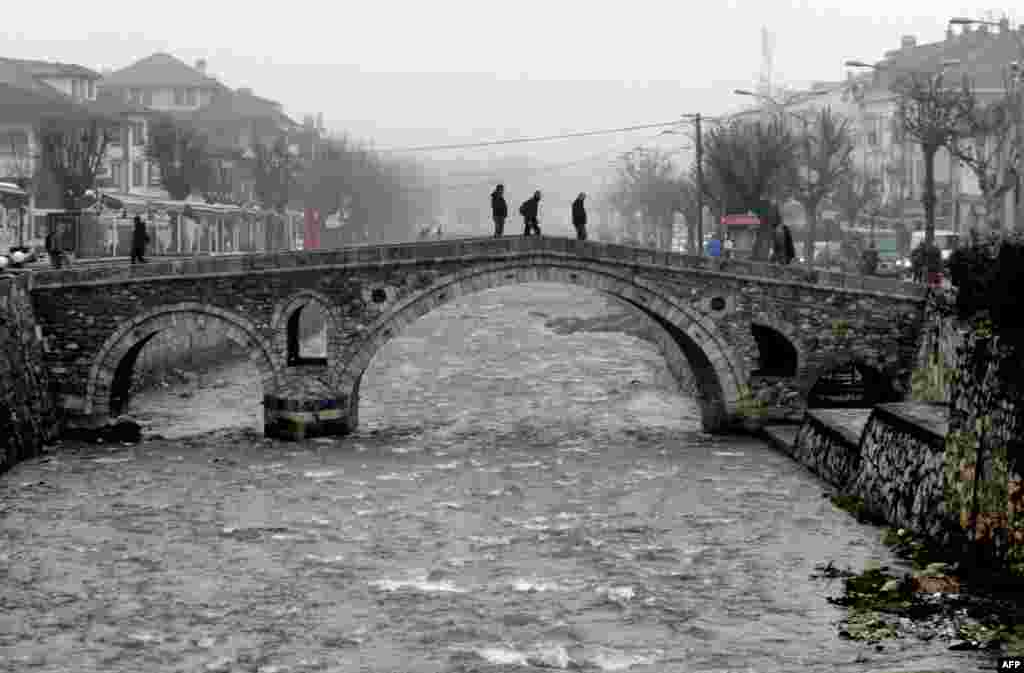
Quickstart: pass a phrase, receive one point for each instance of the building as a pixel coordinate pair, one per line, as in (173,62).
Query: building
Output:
(886,154)
(164,83)
(235,124)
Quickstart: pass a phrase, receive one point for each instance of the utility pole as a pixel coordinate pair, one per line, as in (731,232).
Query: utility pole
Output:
(700,186)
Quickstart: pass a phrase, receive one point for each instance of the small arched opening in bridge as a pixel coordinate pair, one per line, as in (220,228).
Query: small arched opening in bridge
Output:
(777,356)
(851,383)
(303,325)
(195,338)
(717,376)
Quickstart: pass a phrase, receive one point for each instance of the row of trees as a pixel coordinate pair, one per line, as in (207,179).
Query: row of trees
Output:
(750,164)
(747,167)
(376,199)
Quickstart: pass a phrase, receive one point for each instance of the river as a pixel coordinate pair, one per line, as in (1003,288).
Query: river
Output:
(515,499)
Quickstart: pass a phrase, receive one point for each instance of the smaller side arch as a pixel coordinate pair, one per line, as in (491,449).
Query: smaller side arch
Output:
(879,379)
(286,327)
(790,336)
(116,356)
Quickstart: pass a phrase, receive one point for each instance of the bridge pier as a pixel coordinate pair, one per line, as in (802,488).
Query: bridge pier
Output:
(296,419)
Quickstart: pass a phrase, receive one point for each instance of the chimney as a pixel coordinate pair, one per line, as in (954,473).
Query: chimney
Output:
(201,65)
(950,35)
(983,29)
(1004,25)
(908,42)
(244,91)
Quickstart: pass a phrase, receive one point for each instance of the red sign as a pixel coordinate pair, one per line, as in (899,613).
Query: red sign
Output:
(311,239)
(740,220)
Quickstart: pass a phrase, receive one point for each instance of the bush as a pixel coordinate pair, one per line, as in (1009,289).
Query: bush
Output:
(988,274)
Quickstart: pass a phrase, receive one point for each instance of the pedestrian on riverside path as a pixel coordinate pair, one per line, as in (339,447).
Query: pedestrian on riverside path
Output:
(499,210)
(52,244)
(579,217)
(529,210)
(139,240)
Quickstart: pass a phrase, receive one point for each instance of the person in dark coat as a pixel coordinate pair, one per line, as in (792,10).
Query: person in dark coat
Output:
(579,217)
(529,210)
(52,244)
(499,210)
(139,240)
(788,242)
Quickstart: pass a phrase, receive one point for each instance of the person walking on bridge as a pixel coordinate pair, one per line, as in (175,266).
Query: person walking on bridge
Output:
(139,240)
(499,210)
(579,217)
(529,210)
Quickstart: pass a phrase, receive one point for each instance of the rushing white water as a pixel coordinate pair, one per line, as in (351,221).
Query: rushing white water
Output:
(515,500)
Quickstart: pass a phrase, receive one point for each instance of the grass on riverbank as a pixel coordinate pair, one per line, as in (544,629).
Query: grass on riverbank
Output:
(937,597)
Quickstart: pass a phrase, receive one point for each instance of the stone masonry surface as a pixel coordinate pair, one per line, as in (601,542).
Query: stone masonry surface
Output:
(828,444)
(27,411)
(901,474)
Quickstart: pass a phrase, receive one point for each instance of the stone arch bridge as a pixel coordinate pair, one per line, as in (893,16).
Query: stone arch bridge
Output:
(754,337)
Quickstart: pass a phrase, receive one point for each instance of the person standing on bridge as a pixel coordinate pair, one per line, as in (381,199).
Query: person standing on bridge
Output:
(579,217)
(499,210)
(139,240)
(530,210)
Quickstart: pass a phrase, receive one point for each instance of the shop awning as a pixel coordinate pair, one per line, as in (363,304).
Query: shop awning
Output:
(7,188)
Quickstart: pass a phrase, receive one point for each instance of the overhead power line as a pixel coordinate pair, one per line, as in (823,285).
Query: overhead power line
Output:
(534,139)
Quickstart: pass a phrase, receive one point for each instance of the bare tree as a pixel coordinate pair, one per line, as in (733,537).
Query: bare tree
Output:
(746,164)
(376,200)
(182,156)
(275,171)
(931,114)
(823,154)
(986,145)
(650,184)
(72,151)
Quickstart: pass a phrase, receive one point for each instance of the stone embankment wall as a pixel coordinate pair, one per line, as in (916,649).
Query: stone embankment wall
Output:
(985,446)
(901,471)
(28,416)
(947,466)
(828,444)
(891,457)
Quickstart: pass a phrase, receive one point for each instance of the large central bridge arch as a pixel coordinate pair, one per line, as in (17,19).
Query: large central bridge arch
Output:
(718,376)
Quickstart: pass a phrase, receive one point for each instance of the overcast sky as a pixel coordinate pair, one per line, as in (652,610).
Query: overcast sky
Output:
(440,71)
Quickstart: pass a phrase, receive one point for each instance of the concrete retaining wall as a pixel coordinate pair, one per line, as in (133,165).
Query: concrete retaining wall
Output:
(28,415)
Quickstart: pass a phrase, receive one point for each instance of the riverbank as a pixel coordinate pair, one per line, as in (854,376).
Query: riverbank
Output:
(935,595)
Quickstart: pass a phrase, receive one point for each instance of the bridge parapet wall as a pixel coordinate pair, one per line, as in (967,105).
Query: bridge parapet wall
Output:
(476,249)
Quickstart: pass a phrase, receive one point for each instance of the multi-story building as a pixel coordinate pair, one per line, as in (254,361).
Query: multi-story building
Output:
(234,122)
(889,155)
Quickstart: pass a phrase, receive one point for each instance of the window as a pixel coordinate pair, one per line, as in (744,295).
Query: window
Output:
(147,98)
(179,96)
(154,175)
(91,90)
(137,174)
(116,174)
(135,96)
(76,88)
(115,137)
(138,133)
(191,97)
